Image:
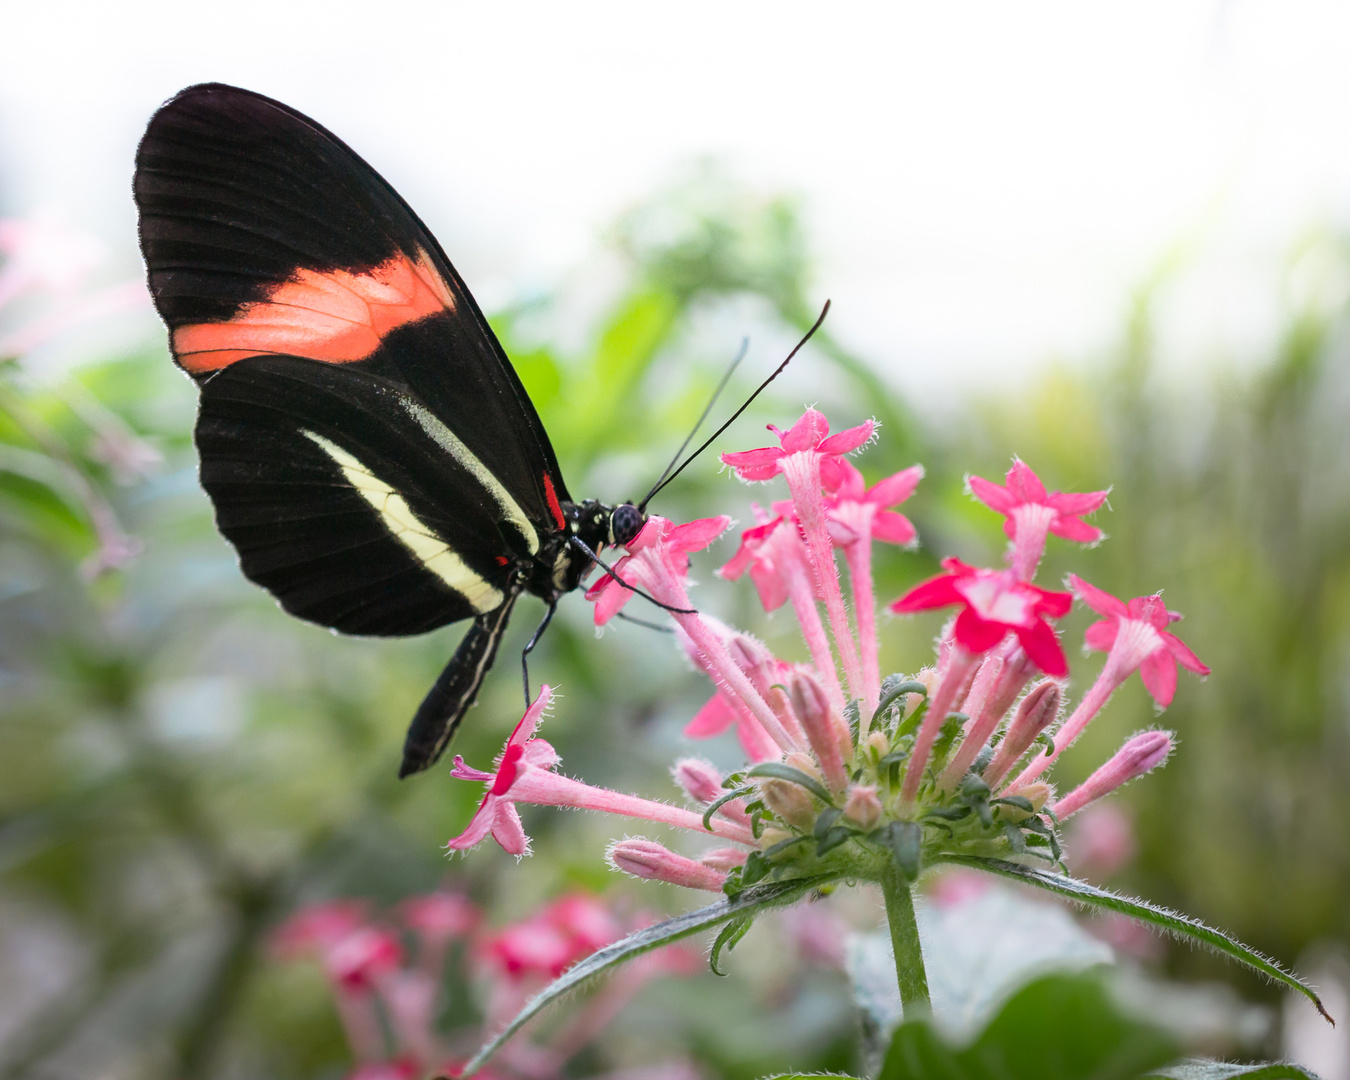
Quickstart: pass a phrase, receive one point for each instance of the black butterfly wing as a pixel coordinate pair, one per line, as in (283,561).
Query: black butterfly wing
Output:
(305,296)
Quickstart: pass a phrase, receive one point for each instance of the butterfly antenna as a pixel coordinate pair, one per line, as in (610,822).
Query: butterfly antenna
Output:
(734,416)
(745,346)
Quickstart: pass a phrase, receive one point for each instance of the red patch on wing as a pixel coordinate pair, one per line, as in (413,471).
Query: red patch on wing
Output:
(336,317)
(555,507)
(502,560)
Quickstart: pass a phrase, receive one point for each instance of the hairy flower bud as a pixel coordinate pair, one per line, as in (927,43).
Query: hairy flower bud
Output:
(1038,794)
(647,859)
(879,743)
(790,802)
(698,779)
(826,730)
(1036,713)
(724,858)
(863,806)
(1141,753)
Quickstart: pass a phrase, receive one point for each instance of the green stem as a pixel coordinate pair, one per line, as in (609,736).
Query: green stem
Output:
(909,972)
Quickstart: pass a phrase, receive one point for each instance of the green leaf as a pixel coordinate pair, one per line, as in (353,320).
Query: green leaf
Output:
(1201,1069)
(1058,1027)
(778,771)
(1182,926)
(892,692)
(749,902)
(736,929)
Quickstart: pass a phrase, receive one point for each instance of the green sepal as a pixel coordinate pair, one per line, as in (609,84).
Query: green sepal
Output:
(721,801)
(904,840)
(891,691)
(730,934)
(778,771)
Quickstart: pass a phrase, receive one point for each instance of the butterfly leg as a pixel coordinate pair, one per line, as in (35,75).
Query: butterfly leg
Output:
(529,648)
(455,691)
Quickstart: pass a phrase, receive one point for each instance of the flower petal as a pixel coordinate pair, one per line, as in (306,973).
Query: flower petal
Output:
(713,719)
(1183,654)
(698,534)
(806,433)
(610,601)
(936,592)
(1080,532)
(1100,601)
(975,634)
(1101,635)
(1043,649)
(509,832)
(769,583)
(894,489)
(1054,605)
(1159,673)
(1024,485)
(479,825)
(849,439)
(893,528)
(850,486)
(1078,503)
(761,464)
(993,495)
(1150,609)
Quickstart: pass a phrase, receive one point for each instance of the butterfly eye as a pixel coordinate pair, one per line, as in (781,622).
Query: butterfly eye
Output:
(625,523)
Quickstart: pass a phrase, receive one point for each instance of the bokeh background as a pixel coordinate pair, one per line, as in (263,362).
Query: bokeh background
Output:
(1109,239)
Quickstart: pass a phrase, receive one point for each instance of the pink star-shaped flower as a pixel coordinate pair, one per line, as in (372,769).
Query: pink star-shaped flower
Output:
(658,561)
(995,602)
(1032,512)
(809,434)
(856,512)
(1135,635)
(497,813)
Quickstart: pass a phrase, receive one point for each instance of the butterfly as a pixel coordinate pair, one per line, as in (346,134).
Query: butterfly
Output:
(368,448)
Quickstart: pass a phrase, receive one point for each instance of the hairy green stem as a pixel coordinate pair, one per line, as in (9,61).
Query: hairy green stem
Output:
(909,972)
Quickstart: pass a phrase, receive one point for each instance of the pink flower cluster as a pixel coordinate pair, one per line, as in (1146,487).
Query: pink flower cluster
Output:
(386,973)
(999,675)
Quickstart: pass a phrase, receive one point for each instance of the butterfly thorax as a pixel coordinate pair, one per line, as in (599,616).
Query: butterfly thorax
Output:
(562,566)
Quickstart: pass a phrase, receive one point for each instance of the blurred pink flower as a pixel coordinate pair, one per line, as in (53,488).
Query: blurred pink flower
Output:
(1100,841)
(317,927)
(359,960)
(441,916)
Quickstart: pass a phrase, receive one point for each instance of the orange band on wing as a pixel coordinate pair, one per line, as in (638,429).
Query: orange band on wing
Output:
(336,317)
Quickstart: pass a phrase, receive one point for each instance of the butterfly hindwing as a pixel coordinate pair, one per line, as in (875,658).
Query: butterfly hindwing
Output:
(344,505)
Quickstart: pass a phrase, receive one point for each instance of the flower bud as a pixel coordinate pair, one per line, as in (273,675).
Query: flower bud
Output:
(724,858)
(1036,713)
(790,802)
(863,806)
(765,673)
(879,744)
(803,762)
(1141,753)
(698,779)
(647,859)
(1038,794)
(826,730)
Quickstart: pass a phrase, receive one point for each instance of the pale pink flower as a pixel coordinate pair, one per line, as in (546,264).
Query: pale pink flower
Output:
(1032,512)
(359,960)
(809,457)
(318,927)
(441,916)
(1135,638)
(658,554)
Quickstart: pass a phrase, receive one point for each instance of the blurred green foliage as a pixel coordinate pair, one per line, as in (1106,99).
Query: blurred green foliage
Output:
(181,765)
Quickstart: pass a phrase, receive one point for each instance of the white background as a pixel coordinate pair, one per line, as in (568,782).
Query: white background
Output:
(985,183)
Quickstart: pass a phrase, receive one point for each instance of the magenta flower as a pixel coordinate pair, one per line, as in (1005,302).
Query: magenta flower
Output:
(524,773)
(1032,512)
(1135,638)
(810,434)
(994,603)
(658,557)
(809,457)
(857,515)
(856,512)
